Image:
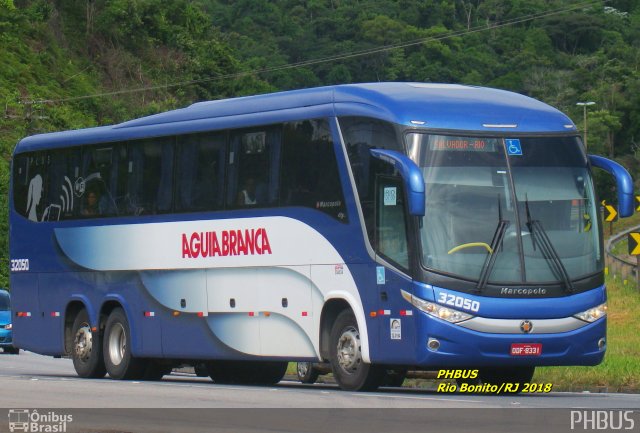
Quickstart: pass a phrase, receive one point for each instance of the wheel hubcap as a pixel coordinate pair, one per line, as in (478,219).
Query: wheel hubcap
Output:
(303,368)
(349,356)
(117,344)
(83,343)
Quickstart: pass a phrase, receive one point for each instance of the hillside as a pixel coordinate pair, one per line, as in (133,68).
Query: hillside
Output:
(78,63)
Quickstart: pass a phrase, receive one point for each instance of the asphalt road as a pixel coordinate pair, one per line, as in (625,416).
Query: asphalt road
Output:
(33,381)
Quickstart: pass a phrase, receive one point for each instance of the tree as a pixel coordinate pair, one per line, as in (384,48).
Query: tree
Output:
(602,128)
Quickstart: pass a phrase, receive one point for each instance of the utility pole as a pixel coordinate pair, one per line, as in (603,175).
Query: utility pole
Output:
(584,117)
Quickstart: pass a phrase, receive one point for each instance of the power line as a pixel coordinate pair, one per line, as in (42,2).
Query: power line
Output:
(327,59)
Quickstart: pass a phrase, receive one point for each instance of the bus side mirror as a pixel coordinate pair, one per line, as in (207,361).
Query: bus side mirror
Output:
(411,175)
(624,183)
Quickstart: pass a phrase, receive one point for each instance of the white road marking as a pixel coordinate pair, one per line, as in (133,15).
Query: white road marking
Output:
(407,397)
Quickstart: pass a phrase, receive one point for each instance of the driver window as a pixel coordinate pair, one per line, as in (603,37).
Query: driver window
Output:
(391,229)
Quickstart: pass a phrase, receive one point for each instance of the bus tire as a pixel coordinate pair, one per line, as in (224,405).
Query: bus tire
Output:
(349,370)
(118,360)
(306,372)
(86,351)
(200,369)
(247,372)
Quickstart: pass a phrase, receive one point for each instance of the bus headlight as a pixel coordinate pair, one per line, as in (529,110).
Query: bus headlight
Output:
(593,314)
(436,310)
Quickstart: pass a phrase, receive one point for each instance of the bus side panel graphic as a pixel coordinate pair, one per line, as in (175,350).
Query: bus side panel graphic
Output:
(257,299)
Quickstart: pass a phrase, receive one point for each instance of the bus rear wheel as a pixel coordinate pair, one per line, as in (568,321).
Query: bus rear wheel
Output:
(349,370)
(118,360)
(86,351)
(306,372)
(247,372)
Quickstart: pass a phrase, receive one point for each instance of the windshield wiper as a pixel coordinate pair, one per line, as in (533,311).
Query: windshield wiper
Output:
(546,247)
(490,259)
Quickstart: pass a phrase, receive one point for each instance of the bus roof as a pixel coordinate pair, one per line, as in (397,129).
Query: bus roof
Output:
(430,106)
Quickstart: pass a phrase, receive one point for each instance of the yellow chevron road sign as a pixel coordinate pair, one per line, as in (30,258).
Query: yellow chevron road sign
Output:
(610,213)
(634,244)
(638,203)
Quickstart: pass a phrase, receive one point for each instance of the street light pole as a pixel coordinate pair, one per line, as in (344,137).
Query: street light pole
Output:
(584,117)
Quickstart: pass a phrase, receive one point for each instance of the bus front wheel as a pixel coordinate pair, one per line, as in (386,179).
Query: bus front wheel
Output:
(86,351)
(118,359)
(349,370)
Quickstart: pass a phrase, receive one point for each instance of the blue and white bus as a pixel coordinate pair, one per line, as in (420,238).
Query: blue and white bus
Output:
(376,227)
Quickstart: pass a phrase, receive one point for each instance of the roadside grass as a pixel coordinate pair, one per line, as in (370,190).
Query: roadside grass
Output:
(620,370)
(621,248)
(623,224)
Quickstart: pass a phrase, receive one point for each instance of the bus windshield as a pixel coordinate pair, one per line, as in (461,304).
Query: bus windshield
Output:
(529,202)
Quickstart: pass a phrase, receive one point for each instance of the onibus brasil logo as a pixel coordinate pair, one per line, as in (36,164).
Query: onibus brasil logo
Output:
(31,421)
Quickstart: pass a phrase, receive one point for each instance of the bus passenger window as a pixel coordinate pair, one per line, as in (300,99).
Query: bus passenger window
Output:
(253,168)
(20,183)
(62,173)
(100,166)
(200,173)
(310,175)
(150,189)
(35,187)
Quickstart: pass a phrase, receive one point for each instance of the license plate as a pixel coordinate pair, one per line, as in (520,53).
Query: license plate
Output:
(526,349)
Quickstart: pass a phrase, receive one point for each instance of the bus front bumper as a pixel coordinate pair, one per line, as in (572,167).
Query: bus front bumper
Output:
(442,344)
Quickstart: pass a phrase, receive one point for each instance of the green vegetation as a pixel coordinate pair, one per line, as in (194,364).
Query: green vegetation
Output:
(626,223)
(620,370)
(621,248)
(74,63)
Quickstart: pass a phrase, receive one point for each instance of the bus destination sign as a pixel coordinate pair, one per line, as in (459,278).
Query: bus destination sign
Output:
(463,144)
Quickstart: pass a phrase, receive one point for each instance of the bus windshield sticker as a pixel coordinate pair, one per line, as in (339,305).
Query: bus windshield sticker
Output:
(513,146)
(380,276)
(390,196)
(396,329)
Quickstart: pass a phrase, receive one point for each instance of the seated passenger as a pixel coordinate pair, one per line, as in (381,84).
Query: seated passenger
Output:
(91,206)
(247,197)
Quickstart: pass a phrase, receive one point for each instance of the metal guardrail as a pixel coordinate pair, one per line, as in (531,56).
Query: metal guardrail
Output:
(616,264)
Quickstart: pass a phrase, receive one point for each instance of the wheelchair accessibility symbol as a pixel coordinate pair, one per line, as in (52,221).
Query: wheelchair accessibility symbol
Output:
(513,146)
